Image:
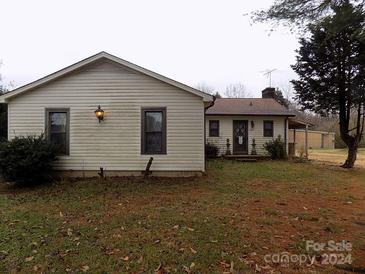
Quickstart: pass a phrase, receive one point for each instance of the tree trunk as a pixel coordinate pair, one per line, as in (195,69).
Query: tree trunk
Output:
(351,156)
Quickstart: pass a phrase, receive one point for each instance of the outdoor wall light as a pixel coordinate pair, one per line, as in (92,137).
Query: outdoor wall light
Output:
(252,124)
(99,113)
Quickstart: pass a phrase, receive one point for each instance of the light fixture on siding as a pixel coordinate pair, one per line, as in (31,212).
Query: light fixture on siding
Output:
(252,124)
(99,113)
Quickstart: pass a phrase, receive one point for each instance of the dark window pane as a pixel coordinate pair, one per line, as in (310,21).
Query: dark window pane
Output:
(58,130)
(153,121)
(153,142)
(268,125)
(214,125)
(59,139)
(214,133)
(214,128)
(153,131)
(58,121)
(268,128)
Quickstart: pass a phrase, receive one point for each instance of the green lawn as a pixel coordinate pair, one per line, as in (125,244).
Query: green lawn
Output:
(226,221)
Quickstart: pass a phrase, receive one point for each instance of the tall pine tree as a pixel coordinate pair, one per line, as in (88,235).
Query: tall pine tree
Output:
(3,115)
(298,13)
(331,69)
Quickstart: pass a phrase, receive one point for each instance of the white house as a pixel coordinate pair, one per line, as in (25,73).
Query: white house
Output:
(145,114)
(247,123)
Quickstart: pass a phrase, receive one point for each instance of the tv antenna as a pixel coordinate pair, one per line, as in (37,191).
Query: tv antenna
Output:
(268,73)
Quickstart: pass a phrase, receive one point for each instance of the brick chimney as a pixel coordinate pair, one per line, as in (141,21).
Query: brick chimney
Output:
(269,93)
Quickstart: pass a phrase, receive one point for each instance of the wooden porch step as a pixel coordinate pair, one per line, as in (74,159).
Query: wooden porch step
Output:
(247,160)
(246,157)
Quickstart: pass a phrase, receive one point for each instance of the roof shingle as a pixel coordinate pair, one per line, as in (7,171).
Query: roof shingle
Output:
(248,106)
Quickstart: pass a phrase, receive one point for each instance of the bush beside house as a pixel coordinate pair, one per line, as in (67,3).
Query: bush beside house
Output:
(26,159)
(276,149)
(211,151)
(3,121)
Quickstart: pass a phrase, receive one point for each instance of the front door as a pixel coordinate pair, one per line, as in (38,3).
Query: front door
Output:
(240,137)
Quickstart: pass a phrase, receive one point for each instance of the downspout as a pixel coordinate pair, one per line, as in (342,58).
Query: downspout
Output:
(205,132)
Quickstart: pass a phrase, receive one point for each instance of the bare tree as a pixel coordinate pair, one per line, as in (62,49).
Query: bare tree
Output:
(287,91)
(2,88)
(217,95)
(204,87)
(237,90)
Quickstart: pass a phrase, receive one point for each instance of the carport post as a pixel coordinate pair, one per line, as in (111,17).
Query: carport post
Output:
(306,140)
(295,141)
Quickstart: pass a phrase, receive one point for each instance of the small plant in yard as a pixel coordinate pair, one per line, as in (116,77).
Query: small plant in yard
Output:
(301,152)
(302,158)
(26,159)
(228,145)
(211,150)
(276,148)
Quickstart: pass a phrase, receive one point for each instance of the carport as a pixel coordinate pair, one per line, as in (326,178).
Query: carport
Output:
(295,124)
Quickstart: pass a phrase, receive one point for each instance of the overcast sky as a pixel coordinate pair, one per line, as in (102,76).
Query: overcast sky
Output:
(191,41)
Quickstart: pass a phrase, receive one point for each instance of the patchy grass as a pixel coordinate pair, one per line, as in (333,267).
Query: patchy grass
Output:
(336,156)
(225,221)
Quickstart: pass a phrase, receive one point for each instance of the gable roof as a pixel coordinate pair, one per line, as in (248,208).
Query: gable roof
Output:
(101,55)
(248,106)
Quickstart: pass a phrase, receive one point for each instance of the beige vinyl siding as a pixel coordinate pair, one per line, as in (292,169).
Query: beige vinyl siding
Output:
(257,133)
(115,143)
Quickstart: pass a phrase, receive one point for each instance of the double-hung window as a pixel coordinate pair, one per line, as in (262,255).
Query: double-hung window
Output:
(58,129)
(153,135)
(213,128)
(268,129)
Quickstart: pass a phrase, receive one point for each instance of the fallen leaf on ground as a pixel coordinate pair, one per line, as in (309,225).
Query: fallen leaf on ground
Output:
(186,269)
(85,268)
(29,259)
(33,244)
(160,269)
(111,252)
(126,258)
(232,267)
(224,264)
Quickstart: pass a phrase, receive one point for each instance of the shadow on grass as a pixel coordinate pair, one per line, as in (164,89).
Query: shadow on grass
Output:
(15,188)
